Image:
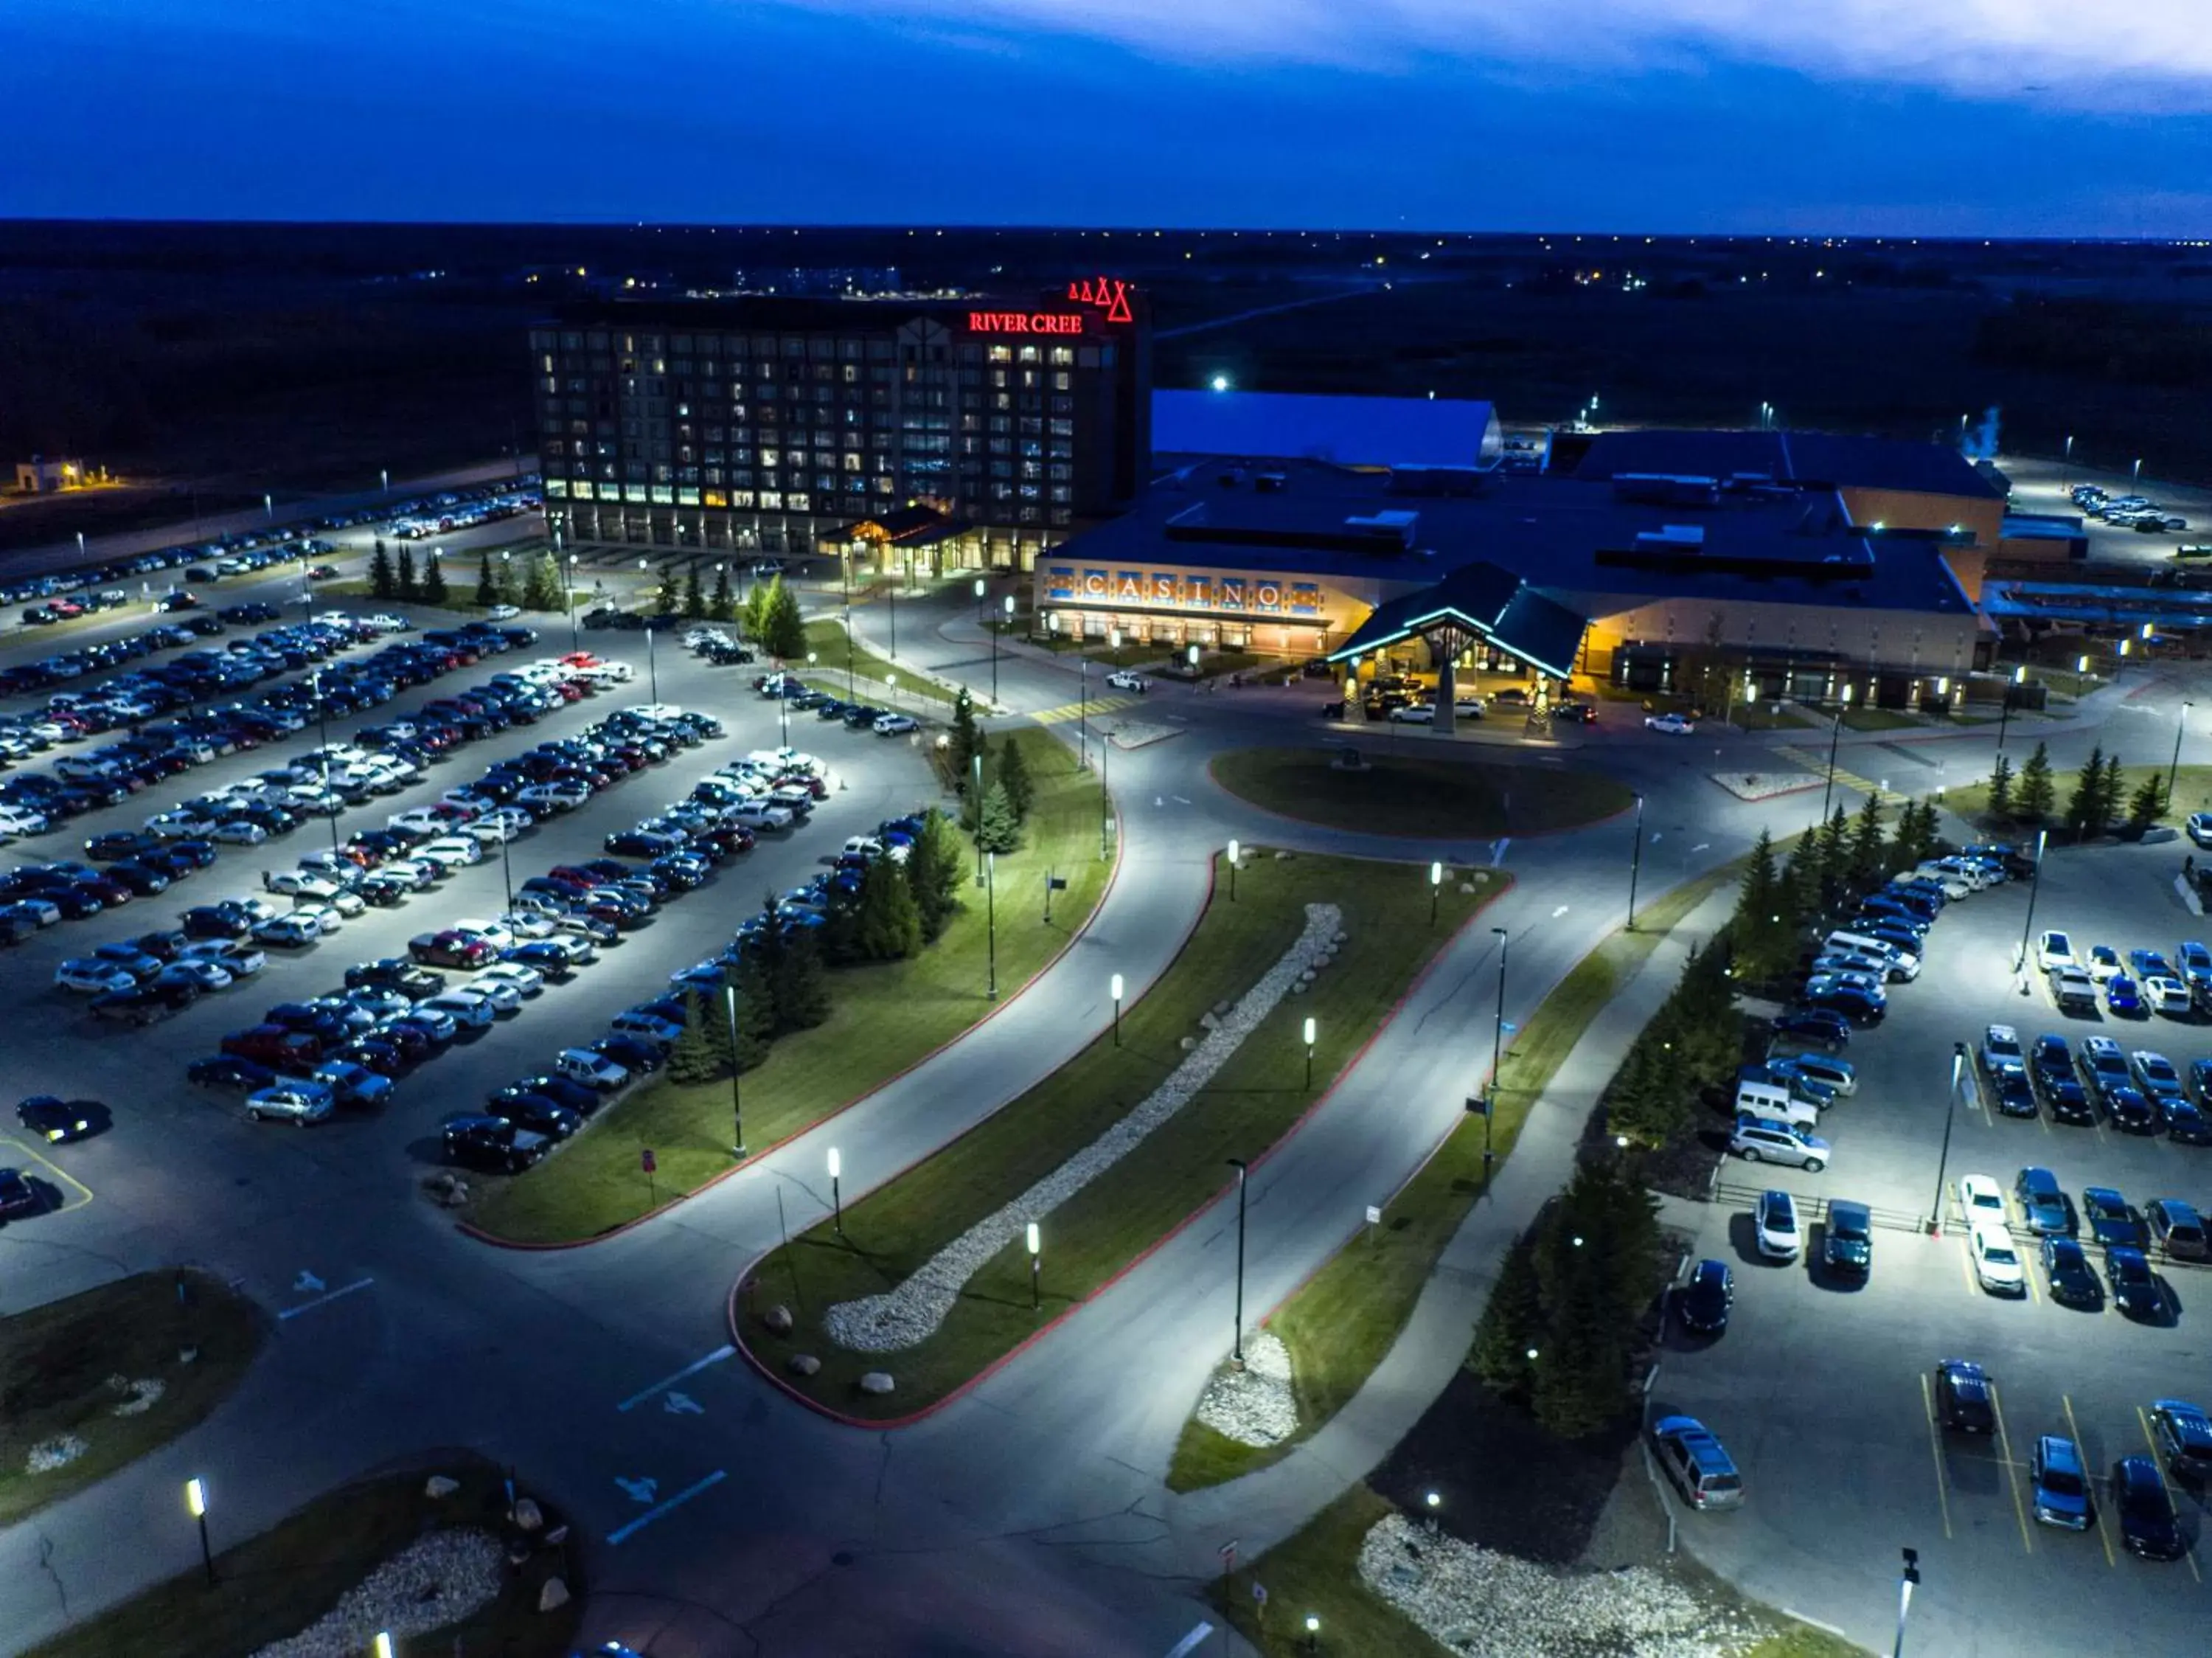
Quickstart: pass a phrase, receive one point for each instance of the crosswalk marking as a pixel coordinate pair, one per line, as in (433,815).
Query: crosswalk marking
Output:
(1818,765)
(1074,710)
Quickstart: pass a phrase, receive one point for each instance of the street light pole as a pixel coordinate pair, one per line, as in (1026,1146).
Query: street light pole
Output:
(1036,1268)
(737,1098)
(1943,1155)
(976,768)
(995,648)
(836,1192)
(196,1504)
(1236,1350)
(652,666)
(1104,743)
(991,923)
(2034,884)
(1909,1579)
(1435,887)
(507,862)
(1636,859)
(1117,988)
(1309,1048)
(1835,736)
(1497,1046)
(2173,772)
(1083,717)
(1232,871)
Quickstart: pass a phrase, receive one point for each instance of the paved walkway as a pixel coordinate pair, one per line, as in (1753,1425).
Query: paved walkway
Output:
(1264,1508)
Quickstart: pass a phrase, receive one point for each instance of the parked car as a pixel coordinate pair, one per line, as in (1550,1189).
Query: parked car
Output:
(1965,1402)
(2148,1528)
(1696,1463)
(2061,1488)
(2136,1288)
(58,1121)
(2183,1434)
(299,1101)
(1774,1221)
(2068,1275)
(1998,1266)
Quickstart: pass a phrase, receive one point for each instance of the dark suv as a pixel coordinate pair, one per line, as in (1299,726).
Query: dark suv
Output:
(478,1141)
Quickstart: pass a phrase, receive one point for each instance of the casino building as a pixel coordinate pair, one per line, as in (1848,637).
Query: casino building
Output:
(941,433)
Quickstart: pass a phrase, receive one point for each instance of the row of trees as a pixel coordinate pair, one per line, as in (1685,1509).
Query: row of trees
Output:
(391,579)
(1559,1330)
(1850,854)
(538,587)
(782,983)
(995,788)
(2098,800)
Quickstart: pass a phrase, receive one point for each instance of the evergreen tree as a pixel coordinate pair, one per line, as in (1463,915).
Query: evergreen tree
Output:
(2147,805)
(1765,925)
(404,585)
(1835,853)
(723,605)
(1867,854)
(668,599)
(1581,1382)
(2001,790)
(502,581)
(888,921)
(798,981)
(2085,809)
(965,739)
(2112,795)
(2036,792)
(752,615)
(997,829)
(542,588)
(693,1059)
(383,581)
(937,870)
(487,587)
(1512,1322)
(1916,835)
(695,596)
(756,1010)
(1801,877)
(783,630)
(1014,778)
(1647,1101)
(434,581)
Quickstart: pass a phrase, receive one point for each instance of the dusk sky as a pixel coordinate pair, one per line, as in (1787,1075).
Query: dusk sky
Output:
(1970,116)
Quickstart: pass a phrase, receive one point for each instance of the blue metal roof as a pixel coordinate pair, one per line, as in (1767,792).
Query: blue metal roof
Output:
(1348,431)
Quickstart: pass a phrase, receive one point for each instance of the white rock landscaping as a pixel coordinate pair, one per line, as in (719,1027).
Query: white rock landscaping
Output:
(59,1451)
(1255,1405)
(435,1581)
(910,1314)
(1477,1600)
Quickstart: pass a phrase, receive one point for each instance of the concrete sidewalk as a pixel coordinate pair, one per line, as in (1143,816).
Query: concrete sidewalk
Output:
(1265,1508)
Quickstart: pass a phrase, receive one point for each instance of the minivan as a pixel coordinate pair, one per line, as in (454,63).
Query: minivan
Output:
(2178,1230)
(1697,1463)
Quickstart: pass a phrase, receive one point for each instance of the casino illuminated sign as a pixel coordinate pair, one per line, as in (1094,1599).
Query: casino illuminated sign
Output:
(1024,322)
(1244,594)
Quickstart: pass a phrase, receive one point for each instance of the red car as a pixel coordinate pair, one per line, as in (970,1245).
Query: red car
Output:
(296,1053)
(449,949)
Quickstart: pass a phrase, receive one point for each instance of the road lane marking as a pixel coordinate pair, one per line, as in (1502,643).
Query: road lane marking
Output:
(1192,1642)
(1557,913)
(58,1172)
(622,1533)
(666,1383)
(2096,1509)
(2165,1484)
(2012,1470)
(1936,1443)
(343,1289)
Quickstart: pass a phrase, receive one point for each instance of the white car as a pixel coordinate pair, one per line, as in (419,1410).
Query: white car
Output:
(465,1008)
(593,1070)
(16,820)
(558,796)
(1774,1222)
(176,826)
(454,852)
(496,828)
(504,997)
(2167,996)
(1982,1199)
(203,975)
(1674,725)
(1413,714)
(44,912)
(327,918)
(758,816)
(290,932)
(492,932)
(2104,963)
(528,924)
(1998,1266)
(422,819)
(296,1102)
(418,873)
(896,725)
(2054,950)
(89,976)
(238,831)
(1129,680)
(503,612)
(238,960)
(523,981)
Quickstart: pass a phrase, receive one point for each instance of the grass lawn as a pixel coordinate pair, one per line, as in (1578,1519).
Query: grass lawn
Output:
(1128,656)
(1878,719)
(1316,1572)
(828,639)
(1253,1100)
(56,1362)
(273,1587)
(1341,1322)
(2192,791)
(1766,716)
(885,1019)
(1413,795)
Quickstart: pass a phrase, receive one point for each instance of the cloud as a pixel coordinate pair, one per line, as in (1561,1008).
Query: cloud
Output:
(2014,50)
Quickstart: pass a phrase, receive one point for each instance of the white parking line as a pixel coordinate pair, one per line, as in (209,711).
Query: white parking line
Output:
(343,1289)
(667,1382)
(622,1533)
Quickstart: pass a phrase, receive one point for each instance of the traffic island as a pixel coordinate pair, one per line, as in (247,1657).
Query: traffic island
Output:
(931,1280)
(93,1383)
(884,1018)
(435,1553)
(1418,795)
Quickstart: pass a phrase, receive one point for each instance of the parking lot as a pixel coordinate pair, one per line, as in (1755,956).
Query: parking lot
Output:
(171,1144)
(1819,1387)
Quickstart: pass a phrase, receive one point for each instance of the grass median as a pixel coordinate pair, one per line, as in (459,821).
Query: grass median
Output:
(1340,1323)
(883,1018)
(273,1587)
(94,1381)
(1255,1099)
(847,667)
(1416,795)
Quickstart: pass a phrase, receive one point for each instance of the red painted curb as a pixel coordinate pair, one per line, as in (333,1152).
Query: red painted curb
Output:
(1409,840)
(481,1236)
(736,1335)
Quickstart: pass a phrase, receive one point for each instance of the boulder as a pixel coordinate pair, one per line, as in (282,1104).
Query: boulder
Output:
(1188,1043)
(1221,1009)
(878,1382)
(553,1596)
(778,1319)
(440,1485)
(1209,1020)
(556,1537)
(528,1517)
(1301,986)
(802,1364)
(1308,976)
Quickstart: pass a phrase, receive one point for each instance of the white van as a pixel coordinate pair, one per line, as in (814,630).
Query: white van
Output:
(1903,962)
(1772,1102)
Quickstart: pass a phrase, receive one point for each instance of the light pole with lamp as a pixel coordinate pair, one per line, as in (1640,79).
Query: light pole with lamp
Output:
(975,783)
(836,1192)
(1909,1579)
(1943,1155)
(991,923)
(381,1648)
(1309,1032)
(979,601)
(1313,1633)
(1435,887)
(2173,772)
(1433,1501)
(994,646)
(1835,736)
(1036,1267)
(2034,884)
(1083,715)
(323,719)
(1104,814)
(1636,855)
(196,1505)
(1115,988)
(2004,714)
(652,665)
(736,1097)
(507,862)
(1233,850)
(1237,1341)
(1496,1047)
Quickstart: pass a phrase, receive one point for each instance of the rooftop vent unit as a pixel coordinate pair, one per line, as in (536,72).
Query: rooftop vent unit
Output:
(1681,538)
(1396,528)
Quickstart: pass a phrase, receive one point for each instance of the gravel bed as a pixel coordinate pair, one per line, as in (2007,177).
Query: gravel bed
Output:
(434,1581)
(1479,1601)
(1255,1405)
(909,1315)
(1765,785)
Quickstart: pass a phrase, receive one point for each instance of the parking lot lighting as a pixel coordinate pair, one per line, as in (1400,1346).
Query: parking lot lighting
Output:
(1943,1156)
(1905,1582)
(383,1647)
(1496,1049)
(1036,1262)
(1435,887)
(196,1505)
(836,1192)
(2173,772)
(1309,1048)
(1232,872)
(1117,1010)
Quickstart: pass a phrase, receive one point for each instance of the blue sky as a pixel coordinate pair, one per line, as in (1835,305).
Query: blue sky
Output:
(1973,117)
